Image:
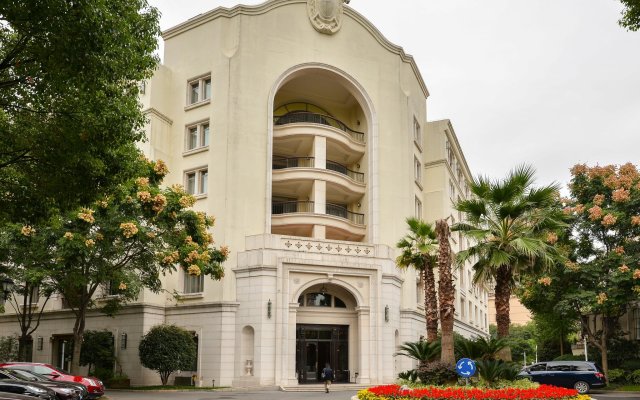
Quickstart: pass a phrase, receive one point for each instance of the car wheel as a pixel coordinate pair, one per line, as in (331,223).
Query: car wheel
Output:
(582,387)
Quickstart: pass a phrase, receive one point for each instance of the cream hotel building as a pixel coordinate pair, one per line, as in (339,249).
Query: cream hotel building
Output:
(305,132)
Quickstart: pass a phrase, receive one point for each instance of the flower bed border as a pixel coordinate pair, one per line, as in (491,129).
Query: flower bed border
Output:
(396,392)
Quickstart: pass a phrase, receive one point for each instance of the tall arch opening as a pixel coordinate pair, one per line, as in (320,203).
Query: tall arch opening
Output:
(321,157)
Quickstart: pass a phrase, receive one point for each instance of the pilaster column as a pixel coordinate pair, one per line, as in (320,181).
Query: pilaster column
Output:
(290,345)
(364,330)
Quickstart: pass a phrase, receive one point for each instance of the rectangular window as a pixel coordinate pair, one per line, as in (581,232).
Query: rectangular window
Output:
(417,133)
(462,309)
(207,88)
(197,136)
(197,182)
(194,92)
(204,139)
(191,183)
(199,90)
(470,311)
(192,283)
(418,210)
(452,190)
(417,171)
(35,295)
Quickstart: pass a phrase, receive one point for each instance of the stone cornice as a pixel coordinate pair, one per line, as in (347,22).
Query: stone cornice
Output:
(223,12)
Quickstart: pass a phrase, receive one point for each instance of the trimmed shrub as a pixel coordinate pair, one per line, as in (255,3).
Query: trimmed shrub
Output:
(8,348)
(437,373)
(616,375)
(635,377)
(410,375)
(491,371)
(167,348)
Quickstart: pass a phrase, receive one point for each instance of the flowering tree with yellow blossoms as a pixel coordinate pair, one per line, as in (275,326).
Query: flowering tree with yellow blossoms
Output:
(102,255)
(602,276)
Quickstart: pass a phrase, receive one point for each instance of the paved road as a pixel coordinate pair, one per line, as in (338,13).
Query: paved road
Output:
(277,395)
(601,395)
(229,395)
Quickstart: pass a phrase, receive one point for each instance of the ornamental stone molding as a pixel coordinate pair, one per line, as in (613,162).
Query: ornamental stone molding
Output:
(326,15)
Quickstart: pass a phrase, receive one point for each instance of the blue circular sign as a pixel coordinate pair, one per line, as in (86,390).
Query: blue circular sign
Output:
(466,367)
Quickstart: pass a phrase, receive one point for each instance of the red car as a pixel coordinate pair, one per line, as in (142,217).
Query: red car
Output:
(94,385)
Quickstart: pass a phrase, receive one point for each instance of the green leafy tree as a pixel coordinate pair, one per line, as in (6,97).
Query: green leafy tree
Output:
(508,221)
(69,110)
(630,15)
(601,278)
(419,248)
(97,352)
(167,348)
(123,243)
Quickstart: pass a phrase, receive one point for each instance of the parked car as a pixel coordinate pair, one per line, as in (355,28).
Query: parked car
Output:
(14,396)
(27,388)
(95,387)
(64,390)
(580,375)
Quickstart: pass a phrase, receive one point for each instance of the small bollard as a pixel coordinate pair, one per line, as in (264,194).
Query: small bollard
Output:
(213,383)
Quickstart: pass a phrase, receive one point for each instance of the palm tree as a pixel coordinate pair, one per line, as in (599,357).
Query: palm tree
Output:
(508,221)
(418,251)
(422,351)
(446,291)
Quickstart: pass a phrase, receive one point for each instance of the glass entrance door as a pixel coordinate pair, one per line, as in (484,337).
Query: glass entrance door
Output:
(317,345)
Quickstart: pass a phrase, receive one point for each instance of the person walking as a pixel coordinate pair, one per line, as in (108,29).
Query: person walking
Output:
(327,376)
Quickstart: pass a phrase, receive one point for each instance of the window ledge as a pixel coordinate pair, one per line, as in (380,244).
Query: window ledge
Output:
(419,185)
(195,151)
(109,297)
(198,104)
(200,196)
(190,296)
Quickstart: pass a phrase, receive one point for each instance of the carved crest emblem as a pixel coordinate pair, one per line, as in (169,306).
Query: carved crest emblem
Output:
(326,15)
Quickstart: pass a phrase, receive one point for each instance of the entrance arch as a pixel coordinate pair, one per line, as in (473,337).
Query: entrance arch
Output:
(327,332)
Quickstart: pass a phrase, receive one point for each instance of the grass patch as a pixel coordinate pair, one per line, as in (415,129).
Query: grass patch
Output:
(629,388)
(171,387)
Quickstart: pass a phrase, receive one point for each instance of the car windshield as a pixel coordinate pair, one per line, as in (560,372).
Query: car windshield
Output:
(26,376)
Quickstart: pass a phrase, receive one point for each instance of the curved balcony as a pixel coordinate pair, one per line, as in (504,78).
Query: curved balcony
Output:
(298,170)
(341,169)
(299,216)
(306,117)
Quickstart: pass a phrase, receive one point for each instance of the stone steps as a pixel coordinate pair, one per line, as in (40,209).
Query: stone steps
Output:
(336,387)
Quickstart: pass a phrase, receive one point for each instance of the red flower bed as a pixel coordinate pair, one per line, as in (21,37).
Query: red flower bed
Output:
(434,393)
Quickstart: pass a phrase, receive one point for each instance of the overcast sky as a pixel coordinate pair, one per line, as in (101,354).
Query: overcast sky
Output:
(546,82)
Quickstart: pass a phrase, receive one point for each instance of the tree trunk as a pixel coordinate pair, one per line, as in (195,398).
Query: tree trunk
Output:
(430,304)
(603,344)
(502,297)
(446,293)
(23,341)
(78,333)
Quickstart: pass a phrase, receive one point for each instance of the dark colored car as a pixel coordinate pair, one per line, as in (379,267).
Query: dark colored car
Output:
(579,375)
(64,390)
(94,385)
(33,377)
(13,396)
(27,388)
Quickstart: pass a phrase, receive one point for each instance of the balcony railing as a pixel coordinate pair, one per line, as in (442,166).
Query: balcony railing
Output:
(294,207)
(340,211)
(315,118)
(356,176)
(292,162)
